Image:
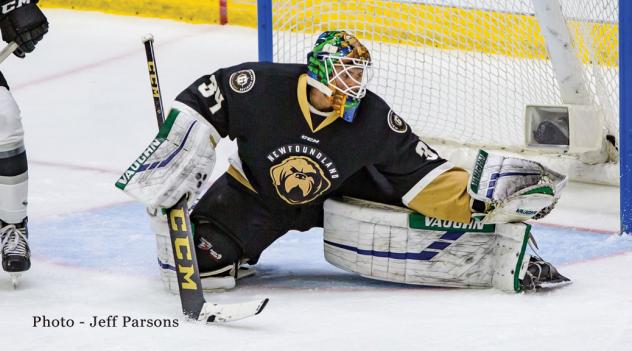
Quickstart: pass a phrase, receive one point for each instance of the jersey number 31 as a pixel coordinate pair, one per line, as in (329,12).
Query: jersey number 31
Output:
(209,89)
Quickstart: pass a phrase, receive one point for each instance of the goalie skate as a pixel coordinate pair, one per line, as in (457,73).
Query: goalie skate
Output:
(541,275)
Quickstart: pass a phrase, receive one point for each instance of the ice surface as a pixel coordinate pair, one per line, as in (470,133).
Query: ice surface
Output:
(88,112)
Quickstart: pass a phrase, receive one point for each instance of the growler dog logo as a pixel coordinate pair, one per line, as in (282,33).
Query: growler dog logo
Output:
(299,179)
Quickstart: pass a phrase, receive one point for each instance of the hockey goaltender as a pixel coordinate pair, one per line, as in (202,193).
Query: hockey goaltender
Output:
(310,132)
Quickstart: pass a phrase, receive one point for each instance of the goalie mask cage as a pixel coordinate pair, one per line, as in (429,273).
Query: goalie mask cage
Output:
(462,72)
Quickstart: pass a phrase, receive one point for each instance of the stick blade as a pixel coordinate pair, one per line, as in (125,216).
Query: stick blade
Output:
(216,313)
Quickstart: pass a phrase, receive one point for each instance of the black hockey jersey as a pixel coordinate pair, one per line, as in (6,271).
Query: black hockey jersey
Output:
(290,156)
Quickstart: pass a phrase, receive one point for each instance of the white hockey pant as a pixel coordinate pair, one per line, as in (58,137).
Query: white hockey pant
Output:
(13,179)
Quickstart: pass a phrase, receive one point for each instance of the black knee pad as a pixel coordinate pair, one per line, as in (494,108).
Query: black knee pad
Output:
(13,164)
(215,248)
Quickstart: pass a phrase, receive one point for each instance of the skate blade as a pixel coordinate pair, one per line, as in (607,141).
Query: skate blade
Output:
(554,284)
(15,279)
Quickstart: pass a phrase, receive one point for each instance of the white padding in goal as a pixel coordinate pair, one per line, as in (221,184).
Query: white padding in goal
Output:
(394,244)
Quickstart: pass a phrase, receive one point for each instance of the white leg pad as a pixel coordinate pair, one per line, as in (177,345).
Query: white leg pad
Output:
(166,263)
(394,244)
(510,256)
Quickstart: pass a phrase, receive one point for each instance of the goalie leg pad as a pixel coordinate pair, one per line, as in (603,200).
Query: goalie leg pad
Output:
(393,244)
(218,276)
(510,257)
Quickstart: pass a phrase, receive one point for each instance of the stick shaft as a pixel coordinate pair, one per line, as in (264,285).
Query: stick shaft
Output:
(8,50)
(180,230)
(153,80)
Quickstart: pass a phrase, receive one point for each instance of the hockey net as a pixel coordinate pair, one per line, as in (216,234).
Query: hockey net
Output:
(461,72)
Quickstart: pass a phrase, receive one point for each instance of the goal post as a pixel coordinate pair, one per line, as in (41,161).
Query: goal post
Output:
(540,78)
(264,29)
(625,118)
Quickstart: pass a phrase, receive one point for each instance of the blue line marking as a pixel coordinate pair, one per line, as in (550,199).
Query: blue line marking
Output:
(491,184)
(170,157)
(452,235)
(438,245)
(166,265)
(494,177)
(177,151)
(509,174)
(153,165)
(421,256)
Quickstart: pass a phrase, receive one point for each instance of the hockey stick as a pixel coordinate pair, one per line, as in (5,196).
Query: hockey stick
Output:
(191,295)
(8,50)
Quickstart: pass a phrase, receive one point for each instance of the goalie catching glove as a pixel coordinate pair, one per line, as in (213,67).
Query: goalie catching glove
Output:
(176,162)
(506,189)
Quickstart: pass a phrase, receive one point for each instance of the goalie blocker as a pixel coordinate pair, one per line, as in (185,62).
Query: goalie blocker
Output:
(395,244)
(175,163)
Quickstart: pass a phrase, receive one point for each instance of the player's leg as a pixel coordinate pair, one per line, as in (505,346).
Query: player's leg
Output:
(394,244)
(13,185)
(231,227)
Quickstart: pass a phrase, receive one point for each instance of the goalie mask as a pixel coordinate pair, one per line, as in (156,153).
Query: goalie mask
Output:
(341,64)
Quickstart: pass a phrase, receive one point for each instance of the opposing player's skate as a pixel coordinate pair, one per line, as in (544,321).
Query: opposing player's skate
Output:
(16,255)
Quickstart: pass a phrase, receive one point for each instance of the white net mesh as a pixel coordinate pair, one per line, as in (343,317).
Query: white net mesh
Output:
(594,25)
(461,71)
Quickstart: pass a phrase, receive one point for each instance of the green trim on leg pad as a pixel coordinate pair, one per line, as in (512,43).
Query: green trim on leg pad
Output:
(527,232)
(477,171)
